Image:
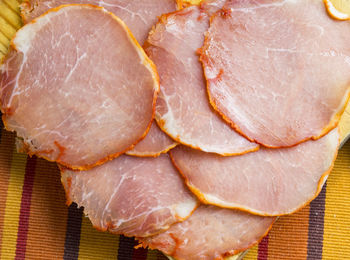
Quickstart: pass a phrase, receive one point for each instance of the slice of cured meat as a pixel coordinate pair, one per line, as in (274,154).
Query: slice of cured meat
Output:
(211,233)
(182,109)
(139,15)
(73,98)
(278,71)
(268,182)
(211,6)
(131,196)
(155,143)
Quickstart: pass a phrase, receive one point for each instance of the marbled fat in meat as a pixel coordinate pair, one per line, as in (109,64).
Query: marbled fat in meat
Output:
(131,196)
(278,70)
(73,98)
(139,15)
(183,110)
(267,182)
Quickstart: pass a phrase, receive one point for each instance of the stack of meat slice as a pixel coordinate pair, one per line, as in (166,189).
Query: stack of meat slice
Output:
(248,92)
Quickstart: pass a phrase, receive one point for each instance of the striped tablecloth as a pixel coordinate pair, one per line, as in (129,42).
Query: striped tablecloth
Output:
(35,223)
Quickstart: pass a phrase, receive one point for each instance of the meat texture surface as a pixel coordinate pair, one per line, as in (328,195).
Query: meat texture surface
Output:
(266,182)
(278,70)
(131,196)
(155,143)
(211,233)
(139,15)
(183,110)
(73,98)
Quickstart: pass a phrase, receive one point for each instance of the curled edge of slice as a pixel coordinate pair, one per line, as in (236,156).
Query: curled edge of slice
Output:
(163,19)
(151,154)
(167,143)
(67,183)
(146,61)
(174,251)
(196,147)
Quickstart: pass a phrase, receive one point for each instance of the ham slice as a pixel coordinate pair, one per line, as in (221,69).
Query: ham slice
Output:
(131,196)
(73,98)
(155,143)
(139,15)
(268,182)
(211,233)
(278,70)
(182,109)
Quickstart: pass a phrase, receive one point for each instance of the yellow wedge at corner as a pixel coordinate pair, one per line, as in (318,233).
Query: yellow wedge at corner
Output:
(338,9)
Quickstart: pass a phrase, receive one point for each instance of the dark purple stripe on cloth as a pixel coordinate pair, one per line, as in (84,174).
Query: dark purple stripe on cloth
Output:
(126,248)
(73,230)
(316,226)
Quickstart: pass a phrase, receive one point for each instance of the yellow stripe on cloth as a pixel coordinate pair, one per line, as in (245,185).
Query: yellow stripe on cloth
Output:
(3,49)
(193,2)
(344,124)
(3,40)
(13,205)
(336,238)
(95,244)
(152,255)
(252,253)
(13,4)
(6,28)
(10,15)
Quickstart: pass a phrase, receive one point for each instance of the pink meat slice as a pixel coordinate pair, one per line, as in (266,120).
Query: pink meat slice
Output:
(73,98)
(211,6)
(269,182)
(139,15)
(155,143)
(278,70)
(211,233)
(182,109)
(131,196)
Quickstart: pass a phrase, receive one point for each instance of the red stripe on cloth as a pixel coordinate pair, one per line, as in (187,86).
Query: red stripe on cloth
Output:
(140,253)
(263,248)
(25,208)
(127,249)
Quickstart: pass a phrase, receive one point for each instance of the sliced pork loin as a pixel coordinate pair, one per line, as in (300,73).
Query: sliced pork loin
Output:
(267,182)
(209,7)
(211,233)
(155,143)
(131,196)
(73,98)
(183,110)
(139,15)
(278,70)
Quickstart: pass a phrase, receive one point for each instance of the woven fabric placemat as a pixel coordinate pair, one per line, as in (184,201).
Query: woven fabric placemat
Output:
(35,223)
